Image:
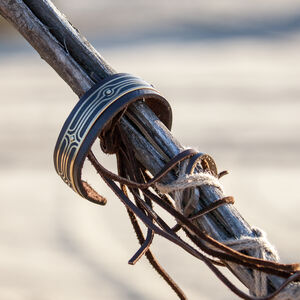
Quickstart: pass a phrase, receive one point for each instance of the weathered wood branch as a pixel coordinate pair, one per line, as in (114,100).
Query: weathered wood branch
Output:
(80,66)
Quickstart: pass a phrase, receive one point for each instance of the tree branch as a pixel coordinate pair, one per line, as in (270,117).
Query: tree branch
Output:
(80,66)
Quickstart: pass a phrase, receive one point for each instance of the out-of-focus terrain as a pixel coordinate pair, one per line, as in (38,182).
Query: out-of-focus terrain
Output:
(231,72)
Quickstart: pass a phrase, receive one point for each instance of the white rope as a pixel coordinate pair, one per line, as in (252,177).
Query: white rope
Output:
(185,181)
(257,246)
(188,181)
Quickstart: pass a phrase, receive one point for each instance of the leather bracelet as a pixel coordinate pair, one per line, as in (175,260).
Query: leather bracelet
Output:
(91,115)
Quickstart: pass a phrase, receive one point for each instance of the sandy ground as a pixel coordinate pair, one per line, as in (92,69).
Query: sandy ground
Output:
(235,98)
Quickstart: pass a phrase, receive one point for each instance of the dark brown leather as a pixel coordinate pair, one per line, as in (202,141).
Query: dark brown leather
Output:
(132,177)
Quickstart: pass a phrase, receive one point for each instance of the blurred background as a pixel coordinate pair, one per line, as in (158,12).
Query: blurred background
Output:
(230,70)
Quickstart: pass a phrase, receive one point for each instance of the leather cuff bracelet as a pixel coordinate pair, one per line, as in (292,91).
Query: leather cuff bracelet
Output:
(90,116)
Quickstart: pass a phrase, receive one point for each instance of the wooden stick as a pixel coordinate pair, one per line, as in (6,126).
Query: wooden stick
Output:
(80,66)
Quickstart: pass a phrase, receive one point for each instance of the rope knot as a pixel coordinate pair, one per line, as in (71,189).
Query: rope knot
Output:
(188,181)
(257,246)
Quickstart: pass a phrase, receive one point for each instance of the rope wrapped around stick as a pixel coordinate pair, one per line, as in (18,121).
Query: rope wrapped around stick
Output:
(78,63)
(96,115)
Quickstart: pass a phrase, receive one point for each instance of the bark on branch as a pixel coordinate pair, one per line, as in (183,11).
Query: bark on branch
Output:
(80,66)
